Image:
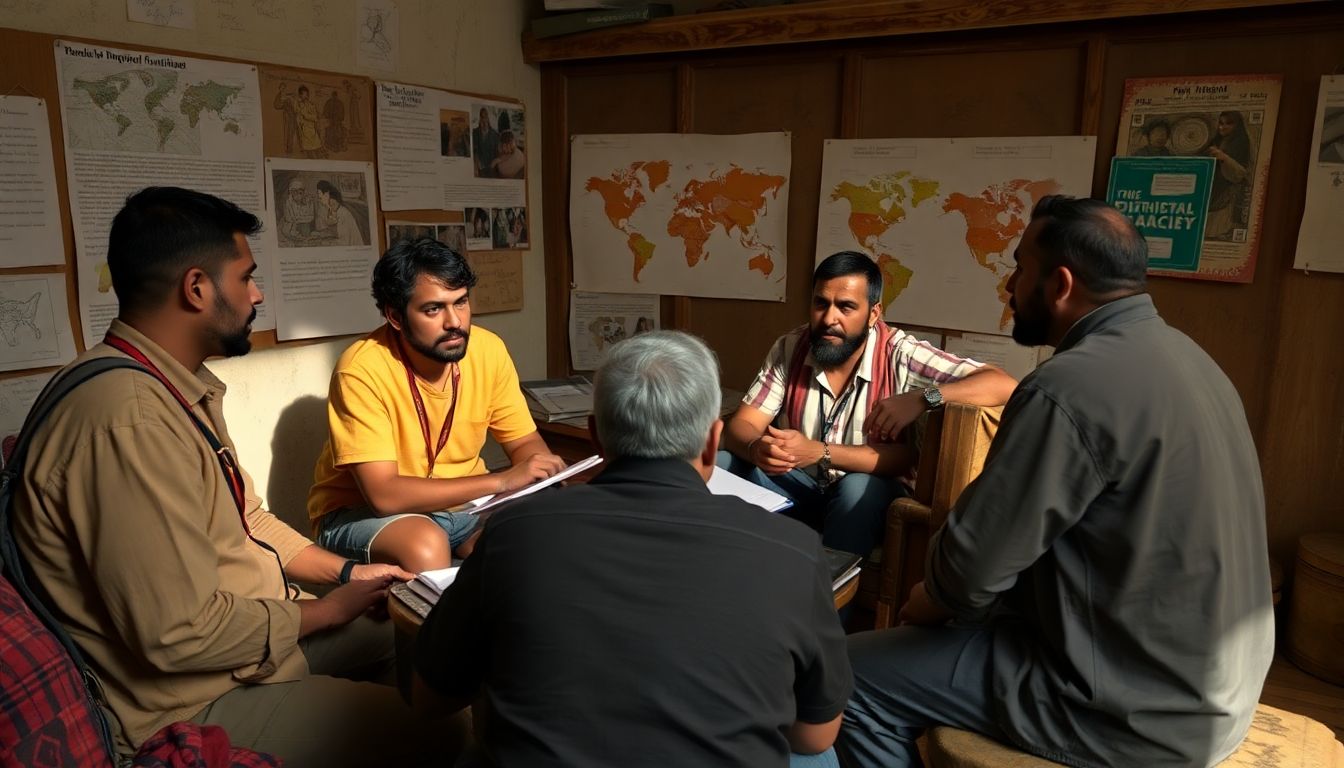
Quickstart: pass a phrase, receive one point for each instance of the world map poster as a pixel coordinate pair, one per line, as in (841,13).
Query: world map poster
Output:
(680,214)
(133,119)
(941,217)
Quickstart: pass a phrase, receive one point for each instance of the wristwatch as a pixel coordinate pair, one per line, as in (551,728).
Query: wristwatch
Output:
(933,398)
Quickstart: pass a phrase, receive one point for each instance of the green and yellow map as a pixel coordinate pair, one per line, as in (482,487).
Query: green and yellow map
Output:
(941,218)
(147,110)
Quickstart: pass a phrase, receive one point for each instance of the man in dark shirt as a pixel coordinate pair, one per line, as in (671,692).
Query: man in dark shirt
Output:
(639,619)
(1108,569)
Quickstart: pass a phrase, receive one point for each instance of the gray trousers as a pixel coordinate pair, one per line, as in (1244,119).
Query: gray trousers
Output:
(346,713)
(910,678)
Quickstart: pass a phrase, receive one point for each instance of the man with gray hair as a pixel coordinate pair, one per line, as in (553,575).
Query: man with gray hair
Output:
(639,619)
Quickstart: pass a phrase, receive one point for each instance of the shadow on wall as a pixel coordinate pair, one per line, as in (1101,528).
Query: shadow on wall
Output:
(300,433)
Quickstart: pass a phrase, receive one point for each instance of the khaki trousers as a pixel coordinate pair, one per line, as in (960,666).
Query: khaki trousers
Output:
(335,716)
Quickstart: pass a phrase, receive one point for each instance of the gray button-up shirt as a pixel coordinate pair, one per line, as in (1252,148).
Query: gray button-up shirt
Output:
(1116,540)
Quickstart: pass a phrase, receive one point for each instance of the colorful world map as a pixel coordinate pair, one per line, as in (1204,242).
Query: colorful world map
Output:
(993,217)
(731,201)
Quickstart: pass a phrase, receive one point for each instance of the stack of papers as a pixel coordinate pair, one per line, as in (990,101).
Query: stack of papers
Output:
(725,483)
(558,399)
(429,585)
(477,506)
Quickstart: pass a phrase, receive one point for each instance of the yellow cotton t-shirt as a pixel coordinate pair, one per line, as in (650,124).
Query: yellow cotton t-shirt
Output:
(371,416)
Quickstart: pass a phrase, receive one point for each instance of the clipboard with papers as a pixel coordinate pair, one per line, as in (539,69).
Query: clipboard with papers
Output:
(725,483)
(487,503)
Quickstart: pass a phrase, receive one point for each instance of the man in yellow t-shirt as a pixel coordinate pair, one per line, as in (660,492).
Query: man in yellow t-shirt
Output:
(408,412)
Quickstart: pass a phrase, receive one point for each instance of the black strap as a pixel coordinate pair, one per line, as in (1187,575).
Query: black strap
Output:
(14,567)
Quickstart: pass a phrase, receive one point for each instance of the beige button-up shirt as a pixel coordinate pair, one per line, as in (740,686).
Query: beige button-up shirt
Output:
(128,523)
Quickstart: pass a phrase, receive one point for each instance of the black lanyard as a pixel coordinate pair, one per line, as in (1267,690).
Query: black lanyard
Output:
(431,450)
(828,420)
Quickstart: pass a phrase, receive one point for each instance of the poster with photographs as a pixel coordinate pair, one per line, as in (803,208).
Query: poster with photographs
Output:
(499,275)
(1322,231)
(443,150)
(480,232)
(509,227)
(319,208)
(1228,118)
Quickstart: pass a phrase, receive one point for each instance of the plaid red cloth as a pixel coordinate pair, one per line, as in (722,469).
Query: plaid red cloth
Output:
(187,745)
(45,719)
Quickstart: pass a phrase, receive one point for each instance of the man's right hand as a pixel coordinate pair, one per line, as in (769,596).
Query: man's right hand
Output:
(343,604)
(536,467)
(768,453)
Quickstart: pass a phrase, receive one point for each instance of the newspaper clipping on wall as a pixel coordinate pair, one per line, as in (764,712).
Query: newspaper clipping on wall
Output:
(1319,240)
(1228,118)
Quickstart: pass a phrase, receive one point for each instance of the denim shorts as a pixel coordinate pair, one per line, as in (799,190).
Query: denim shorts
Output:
(350,531)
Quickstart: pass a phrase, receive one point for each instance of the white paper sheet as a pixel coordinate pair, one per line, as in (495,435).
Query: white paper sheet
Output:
(598,320)
(30,216)
(133,119)
(1320,240)
(34,322)
(324,248)
(1002,351)
(163,13)
(377,35)
(16,399)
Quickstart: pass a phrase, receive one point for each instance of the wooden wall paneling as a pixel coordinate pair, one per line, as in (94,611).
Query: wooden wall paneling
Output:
(797,94)
(1235,323)
(1303,450)
(576,99)
(555,216)
(972,92)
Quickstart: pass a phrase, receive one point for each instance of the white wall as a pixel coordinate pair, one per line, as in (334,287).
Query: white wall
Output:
(470,45)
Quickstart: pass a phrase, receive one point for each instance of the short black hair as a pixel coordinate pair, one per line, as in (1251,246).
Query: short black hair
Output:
(161,232)
(846,263)
(330,189)
(1098,243)
(395,273)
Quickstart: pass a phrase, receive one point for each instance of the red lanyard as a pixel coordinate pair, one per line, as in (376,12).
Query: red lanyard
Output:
(232,475)
(431,451)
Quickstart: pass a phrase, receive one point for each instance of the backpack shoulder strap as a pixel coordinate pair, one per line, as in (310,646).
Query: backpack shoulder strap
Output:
(12,560)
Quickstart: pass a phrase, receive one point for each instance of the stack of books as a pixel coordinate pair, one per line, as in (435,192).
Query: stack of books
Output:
(429,585)
(844,566)
(559,399)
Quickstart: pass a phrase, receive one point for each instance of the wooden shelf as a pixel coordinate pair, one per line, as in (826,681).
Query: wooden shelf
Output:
(811,22)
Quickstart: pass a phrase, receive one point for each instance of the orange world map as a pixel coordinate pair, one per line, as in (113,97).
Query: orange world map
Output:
(731,200)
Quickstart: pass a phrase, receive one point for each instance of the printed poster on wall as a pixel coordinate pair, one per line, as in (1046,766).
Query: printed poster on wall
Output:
(1228,118)
(681,214)
(599,320)
(941,217)
(30,216)
(1167,198)
(450,151)
(133,119)
(1320,241)
(325,239)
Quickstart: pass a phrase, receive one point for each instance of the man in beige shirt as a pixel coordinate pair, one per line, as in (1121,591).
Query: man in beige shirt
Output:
(155,554)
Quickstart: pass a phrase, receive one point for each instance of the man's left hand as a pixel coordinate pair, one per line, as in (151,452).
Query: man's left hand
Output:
(367,571)
(893,414)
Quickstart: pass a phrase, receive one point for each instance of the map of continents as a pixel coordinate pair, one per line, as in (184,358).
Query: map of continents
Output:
(731,200)
(146,106)
(994,218)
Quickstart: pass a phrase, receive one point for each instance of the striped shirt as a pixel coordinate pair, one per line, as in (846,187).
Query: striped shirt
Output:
(915,365)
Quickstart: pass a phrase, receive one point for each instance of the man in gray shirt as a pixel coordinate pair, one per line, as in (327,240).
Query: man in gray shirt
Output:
(1100,594)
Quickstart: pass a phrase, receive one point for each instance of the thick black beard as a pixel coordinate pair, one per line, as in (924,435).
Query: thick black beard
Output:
(831,355)
(238,343)
(433,352)
(1031,325)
